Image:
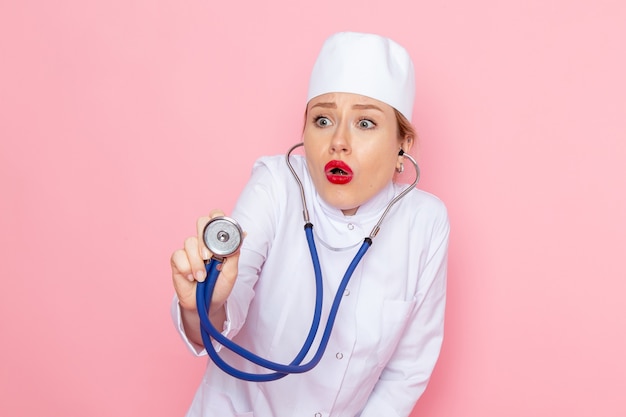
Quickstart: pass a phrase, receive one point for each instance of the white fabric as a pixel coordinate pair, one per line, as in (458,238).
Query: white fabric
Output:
(389,328)
(365,64)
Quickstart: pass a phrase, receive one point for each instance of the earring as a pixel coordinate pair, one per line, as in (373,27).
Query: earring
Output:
(400,169)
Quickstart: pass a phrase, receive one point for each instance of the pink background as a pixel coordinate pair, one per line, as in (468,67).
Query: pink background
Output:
(122,121)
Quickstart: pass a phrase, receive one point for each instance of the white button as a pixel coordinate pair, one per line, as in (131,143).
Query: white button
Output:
(339,355)
(318,414)
(346,292)
(350,226)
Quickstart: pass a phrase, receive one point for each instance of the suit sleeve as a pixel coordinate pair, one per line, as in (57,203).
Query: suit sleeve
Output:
(256,213)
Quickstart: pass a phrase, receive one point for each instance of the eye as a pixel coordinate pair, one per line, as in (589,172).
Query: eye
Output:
(322,121)
(366,124)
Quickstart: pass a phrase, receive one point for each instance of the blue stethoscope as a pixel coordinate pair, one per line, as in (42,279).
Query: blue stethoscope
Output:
(223,237)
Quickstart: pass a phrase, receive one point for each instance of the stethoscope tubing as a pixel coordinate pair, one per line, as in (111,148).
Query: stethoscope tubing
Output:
(203,299)
(204,293)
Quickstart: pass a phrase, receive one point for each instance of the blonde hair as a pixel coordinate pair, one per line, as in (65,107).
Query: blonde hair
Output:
(405,128)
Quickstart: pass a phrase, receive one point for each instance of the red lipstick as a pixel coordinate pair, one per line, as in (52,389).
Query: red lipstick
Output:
(338,172)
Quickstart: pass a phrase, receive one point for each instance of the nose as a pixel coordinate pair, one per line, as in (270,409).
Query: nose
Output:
(340,140)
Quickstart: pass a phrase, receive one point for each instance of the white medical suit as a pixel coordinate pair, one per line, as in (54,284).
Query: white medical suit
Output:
(389,327)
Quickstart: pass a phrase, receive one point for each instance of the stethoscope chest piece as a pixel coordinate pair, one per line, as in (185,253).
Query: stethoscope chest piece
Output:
(222,236)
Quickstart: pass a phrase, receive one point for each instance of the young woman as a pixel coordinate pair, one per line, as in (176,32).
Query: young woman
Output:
(389,327)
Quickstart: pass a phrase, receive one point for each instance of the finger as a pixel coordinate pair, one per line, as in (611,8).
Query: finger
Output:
(195,259)
(180,265)
(205,253)
(184,282)
(225,281)
(230,268)
(215,213)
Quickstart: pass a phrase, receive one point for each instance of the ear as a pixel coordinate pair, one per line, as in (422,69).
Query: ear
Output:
(407,143)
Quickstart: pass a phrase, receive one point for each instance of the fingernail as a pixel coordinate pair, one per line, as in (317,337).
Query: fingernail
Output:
(200,275)
(205,254)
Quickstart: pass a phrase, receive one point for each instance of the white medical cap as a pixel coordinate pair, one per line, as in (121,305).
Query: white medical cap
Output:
(365,64)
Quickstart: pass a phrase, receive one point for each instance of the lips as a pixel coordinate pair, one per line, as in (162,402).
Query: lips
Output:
(338,172)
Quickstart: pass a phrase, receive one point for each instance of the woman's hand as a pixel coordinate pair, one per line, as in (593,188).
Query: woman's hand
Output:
(188,267)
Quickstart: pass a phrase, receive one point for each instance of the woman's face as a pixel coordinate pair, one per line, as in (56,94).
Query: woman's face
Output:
(351,144)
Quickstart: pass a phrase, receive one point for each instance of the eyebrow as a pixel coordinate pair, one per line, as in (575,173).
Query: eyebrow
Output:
(367,107)
(331,105)
(324,105)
